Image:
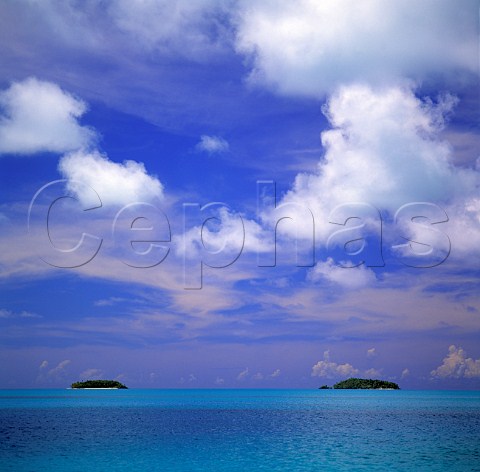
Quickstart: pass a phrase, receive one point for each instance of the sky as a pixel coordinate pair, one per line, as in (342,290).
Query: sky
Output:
(238,194)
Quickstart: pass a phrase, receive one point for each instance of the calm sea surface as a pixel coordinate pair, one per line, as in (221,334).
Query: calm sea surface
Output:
(239,430)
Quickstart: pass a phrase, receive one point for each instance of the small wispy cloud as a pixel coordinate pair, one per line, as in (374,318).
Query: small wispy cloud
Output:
(243,374)
(91,374)
(275,373)
(373,373)
(109,301)
(212,144)
(371,352)
(22,314)
(56,374)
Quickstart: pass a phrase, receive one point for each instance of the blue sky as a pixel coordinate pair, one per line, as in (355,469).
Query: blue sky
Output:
(240,194)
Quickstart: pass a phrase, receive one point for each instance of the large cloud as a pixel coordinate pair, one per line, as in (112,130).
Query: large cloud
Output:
(39,116)
(309,47)
(384,149)
(117,184)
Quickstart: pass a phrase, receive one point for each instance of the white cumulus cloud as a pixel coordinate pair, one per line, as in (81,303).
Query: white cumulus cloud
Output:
(383,149)
(457,365)
(116,184)
(38,116)
(309,47)
(327,368)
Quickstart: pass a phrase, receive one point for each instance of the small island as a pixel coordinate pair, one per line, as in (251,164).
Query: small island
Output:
(363,384)
(99,384)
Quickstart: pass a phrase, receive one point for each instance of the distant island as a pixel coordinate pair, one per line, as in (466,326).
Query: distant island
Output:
(366,384)
(98,384)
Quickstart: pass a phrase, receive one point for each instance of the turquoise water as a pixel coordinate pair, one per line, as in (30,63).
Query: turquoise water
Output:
(239,430)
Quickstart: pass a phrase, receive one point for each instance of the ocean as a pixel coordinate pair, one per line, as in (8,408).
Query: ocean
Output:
(239,430)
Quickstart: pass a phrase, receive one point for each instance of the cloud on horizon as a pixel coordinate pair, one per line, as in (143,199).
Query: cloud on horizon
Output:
(243,374)
(457,365)
(54,375)
(329,369)
(91,374)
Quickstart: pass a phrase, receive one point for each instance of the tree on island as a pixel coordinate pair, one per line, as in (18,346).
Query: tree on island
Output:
(355,383)
(364,384)
(98,384)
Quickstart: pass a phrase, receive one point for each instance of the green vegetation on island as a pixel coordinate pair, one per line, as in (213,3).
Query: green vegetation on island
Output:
(98,384)
(367,384)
